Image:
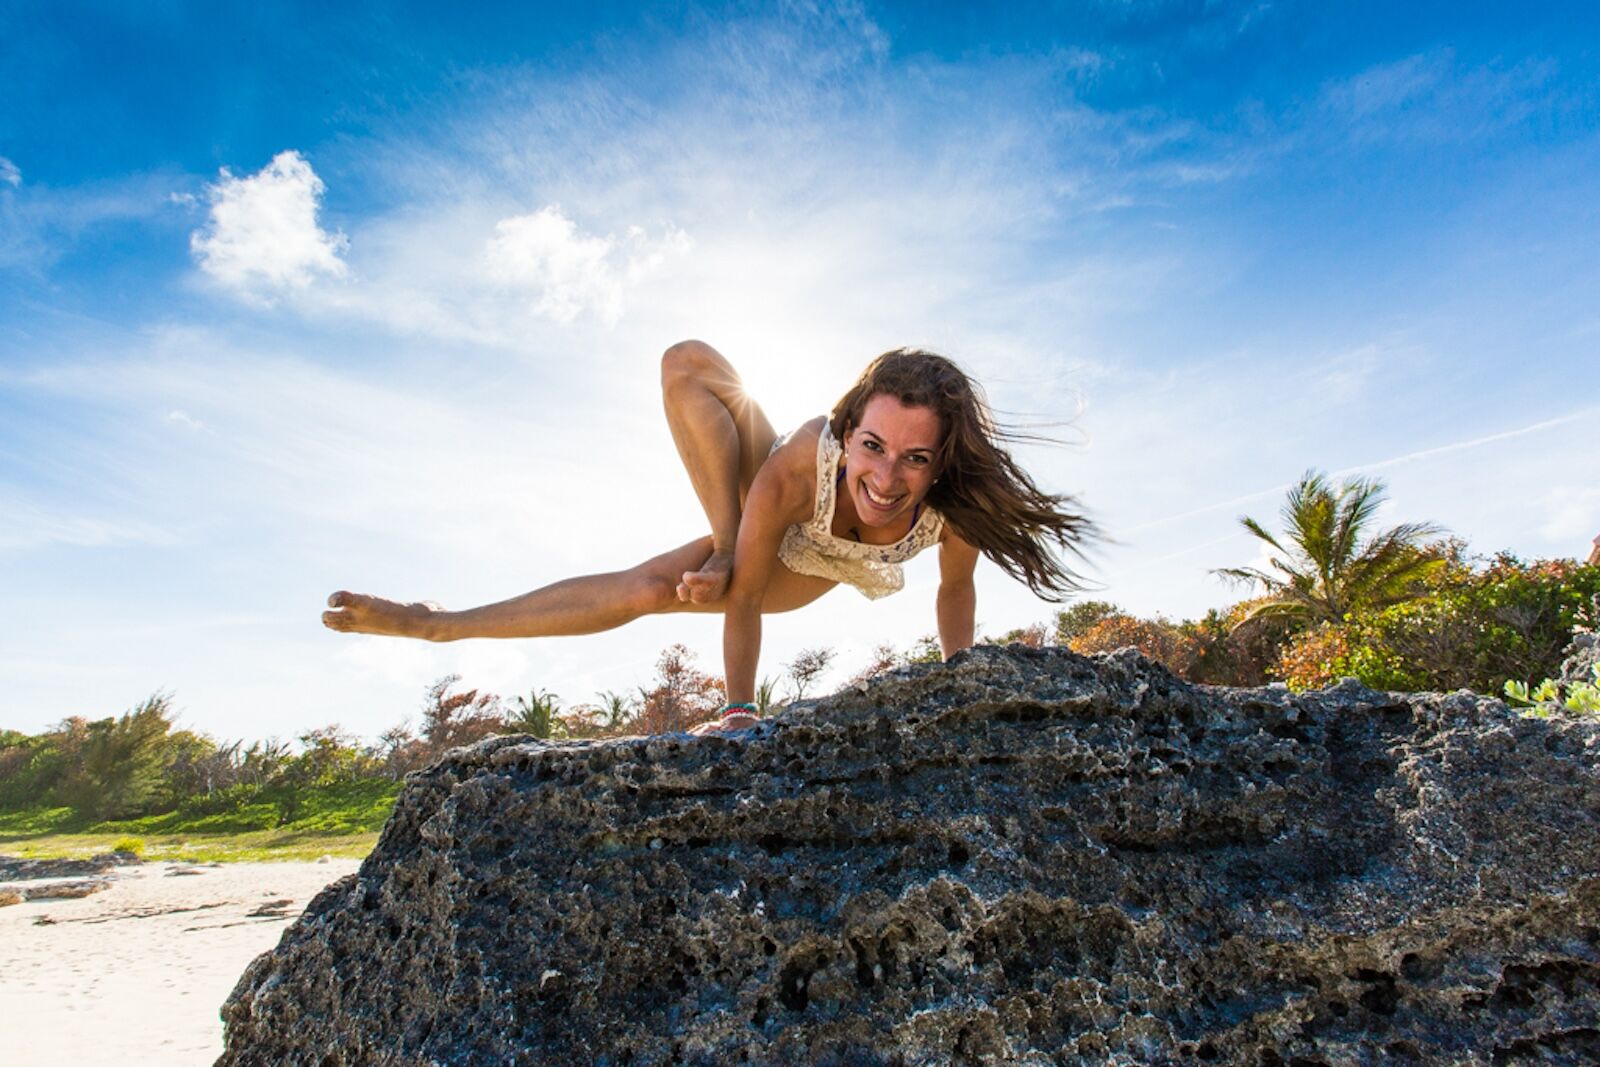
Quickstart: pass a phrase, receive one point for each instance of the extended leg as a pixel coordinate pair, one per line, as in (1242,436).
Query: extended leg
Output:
(584,605)
(723,437)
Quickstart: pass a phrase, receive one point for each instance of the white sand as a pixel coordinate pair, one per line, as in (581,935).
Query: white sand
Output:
(137,974)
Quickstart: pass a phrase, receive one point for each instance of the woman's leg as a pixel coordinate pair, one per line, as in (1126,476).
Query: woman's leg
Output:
(723,437)
(584,605)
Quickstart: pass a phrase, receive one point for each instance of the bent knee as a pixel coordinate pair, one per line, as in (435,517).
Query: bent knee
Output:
(686,359)
(652,594)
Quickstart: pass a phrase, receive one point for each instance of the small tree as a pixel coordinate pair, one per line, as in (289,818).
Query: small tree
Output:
(807,667)
(122,760)
(1157,638)
(1324,567)
(400,751)
(536,714)
(1035,636)
(682,696)
(1077,619)
(767,696)
(616,710)
(450,720)
(925,649)
(329,755)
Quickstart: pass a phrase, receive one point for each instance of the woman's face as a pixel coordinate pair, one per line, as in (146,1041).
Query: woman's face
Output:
(889,459)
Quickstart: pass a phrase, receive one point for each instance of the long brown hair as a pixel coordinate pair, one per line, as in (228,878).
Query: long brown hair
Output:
(981,492)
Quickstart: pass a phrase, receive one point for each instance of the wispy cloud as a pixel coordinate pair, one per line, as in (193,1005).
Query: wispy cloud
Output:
(1432,97)
(40,224)
(32,525)
(9,174)
(262,236)
(1236,502)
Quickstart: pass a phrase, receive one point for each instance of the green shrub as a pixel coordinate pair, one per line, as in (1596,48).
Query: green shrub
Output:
(1475,627)
(1551,695)
(135,845)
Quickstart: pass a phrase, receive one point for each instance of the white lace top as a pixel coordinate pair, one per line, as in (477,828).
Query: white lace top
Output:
(811,548)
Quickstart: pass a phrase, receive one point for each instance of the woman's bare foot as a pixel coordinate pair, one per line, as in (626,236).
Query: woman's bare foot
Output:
(709,584)
(355,613)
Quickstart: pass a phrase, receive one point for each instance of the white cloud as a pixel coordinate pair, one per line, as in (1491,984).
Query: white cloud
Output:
(9,172)
(262,235)
(571,271)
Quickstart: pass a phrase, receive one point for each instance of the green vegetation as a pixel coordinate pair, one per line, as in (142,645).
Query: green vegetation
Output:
(1385,609)
(137,783)
(1550,696)
(341,820)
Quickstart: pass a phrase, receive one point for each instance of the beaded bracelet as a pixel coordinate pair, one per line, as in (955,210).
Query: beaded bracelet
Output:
(740,709)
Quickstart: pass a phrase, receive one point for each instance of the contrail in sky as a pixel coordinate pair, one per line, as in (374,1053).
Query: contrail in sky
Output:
(1394,461)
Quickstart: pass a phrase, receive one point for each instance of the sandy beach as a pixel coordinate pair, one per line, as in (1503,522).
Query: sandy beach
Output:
(138,972)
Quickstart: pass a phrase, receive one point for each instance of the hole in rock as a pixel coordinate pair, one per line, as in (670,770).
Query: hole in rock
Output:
(792,987)
(1382,998)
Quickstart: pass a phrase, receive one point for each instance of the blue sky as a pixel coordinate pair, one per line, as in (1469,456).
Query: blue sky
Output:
(295,299)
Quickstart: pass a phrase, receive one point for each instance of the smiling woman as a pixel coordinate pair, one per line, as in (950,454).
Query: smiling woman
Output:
(910,457)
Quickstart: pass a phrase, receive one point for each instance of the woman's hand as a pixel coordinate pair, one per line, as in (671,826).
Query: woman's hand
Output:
(726,724)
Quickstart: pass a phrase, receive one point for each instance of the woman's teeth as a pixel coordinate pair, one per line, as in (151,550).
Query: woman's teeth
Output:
(881,501)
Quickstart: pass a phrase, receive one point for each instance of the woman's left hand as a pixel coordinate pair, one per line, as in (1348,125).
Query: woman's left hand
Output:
(726,724)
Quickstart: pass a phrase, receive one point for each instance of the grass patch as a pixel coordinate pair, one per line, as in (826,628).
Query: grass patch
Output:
(303,824)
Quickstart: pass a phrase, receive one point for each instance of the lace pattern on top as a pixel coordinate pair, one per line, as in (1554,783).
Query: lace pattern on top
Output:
(811,548)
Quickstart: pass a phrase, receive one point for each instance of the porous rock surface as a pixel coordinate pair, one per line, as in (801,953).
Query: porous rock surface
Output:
(1583,655)
(1023,856)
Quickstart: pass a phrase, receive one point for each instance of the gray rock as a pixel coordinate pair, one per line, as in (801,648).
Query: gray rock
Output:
(66,890)
(1582,656)
(1021,857)
(17,868)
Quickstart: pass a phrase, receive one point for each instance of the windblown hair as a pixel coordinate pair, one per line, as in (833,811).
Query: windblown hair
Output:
(981,492)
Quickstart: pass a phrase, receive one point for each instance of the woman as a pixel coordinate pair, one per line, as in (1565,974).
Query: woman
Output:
(910,457)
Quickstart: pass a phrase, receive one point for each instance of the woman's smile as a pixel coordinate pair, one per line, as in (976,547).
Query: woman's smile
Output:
(890,460)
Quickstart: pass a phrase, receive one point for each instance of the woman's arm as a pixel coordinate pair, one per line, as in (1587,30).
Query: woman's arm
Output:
(957,605)
(783,493)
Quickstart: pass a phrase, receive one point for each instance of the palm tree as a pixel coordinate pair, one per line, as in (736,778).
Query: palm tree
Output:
(536,714)
(617,710)
(766,695)
(1322,569)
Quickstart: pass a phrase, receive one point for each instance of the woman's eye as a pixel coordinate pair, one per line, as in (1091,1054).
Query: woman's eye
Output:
(872,446)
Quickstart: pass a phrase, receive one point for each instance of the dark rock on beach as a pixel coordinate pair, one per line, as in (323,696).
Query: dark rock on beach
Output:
(1023,856)
(18,868)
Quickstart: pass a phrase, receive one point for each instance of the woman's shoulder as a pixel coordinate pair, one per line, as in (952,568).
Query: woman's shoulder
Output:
(792,465)
(798,449)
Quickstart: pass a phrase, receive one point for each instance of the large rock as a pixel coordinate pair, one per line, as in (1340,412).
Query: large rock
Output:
(1020,857)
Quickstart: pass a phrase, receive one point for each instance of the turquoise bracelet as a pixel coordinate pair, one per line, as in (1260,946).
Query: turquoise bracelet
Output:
(740,709)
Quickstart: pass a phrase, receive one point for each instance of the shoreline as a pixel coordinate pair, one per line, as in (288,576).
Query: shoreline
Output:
(138,971)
